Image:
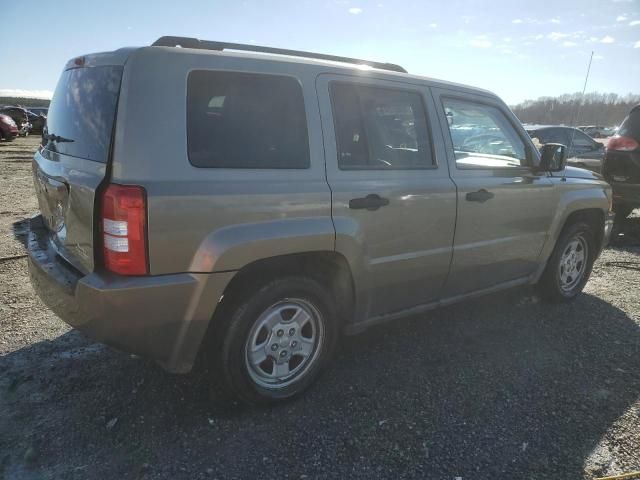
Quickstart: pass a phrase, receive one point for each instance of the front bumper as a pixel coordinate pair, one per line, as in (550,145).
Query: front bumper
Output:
(160,317)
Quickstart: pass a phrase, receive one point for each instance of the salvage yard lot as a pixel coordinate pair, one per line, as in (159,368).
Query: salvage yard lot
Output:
(500,387)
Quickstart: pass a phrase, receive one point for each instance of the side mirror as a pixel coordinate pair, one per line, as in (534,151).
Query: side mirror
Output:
(553,157)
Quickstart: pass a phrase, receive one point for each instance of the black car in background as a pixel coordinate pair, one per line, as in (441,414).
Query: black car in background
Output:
(622,164)
(583,151)
(19,114)
(43,111)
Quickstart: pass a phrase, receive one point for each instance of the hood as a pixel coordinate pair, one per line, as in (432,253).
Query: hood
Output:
(575,172)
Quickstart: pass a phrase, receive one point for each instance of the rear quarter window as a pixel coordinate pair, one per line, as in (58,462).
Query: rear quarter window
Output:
(243,120)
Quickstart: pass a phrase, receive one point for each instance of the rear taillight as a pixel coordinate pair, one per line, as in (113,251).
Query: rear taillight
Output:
(622,144)
(124,229)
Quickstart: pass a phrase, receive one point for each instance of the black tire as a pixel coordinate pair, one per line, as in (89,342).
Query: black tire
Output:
(550,286)
(227,358)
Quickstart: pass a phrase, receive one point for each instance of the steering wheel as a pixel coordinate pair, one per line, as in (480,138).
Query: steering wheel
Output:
(483,143)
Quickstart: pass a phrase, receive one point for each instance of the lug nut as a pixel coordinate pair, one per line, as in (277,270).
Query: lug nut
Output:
(274,347)
(292,331)
(294,344)
(280,333)
(283,353)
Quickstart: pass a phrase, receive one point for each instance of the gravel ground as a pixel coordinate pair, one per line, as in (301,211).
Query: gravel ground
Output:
(502,387)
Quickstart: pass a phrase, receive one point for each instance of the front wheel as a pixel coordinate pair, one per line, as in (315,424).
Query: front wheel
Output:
(276,341)
(570,264)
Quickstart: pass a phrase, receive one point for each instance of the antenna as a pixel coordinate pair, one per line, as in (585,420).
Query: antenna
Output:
(574,122)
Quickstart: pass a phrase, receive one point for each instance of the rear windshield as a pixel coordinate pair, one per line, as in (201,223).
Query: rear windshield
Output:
(82,112)
(631,125)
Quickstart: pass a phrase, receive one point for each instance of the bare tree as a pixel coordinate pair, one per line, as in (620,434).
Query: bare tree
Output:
(608,109)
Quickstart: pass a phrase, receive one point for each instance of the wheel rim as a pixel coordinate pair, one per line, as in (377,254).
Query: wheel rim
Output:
(284,343)
(573,263)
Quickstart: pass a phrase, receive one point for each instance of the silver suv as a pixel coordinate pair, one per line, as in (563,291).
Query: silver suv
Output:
(247,207)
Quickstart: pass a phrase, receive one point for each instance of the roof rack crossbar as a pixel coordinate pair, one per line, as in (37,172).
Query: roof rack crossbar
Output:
(187,42)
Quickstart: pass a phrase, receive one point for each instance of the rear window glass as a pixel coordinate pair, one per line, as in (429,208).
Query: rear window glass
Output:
(82,112)
(241,120)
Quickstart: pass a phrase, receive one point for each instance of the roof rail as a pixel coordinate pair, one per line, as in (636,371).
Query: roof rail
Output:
(187,42)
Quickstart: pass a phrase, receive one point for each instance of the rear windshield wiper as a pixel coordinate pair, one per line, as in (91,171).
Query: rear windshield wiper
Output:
(56,138)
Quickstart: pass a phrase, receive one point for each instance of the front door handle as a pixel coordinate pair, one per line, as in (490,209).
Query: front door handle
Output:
(370,202)
(480,196)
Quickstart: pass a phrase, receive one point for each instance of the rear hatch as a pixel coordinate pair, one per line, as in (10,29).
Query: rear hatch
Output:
(72,162)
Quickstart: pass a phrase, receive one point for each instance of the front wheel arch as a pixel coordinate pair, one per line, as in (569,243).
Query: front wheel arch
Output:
(593,217)
(549,285)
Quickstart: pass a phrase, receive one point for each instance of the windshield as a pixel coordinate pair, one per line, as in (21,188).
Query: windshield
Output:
(82,111)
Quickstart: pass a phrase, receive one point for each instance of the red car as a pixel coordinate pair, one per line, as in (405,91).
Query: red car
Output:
(8,128)
(622,165)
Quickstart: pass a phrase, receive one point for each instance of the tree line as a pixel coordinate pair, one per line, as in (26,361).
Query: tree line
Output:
(24,102)
(607,109)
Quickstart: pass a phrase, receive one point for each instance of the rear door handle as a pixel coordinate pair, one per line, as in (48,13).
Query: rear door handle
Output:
(370,202)
(480,196)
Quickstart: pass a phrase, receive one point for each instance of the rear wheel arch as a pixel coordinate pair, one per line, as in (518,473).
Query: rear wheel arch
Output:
(325,273)
(329,268)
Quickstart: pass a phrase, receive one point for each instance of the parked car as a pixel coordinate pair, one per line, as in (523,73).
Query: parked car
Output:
(583,151)
(622,164)
(598,131)
(8,128)
(42,111)
(19,114)
(283,200)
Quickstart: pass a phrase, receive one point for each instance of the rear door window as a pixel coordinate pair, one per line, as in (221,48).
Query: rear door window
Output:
(380,128)
(82,112)
(243,120)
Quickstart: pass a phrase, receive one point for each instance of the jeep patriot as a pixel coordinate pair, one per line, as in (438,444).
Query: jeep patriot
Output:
(245,206)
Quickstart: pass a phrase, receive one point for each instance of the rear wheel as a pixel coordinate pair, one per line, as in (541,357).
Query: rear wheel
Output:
(570,264)
(276,341)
